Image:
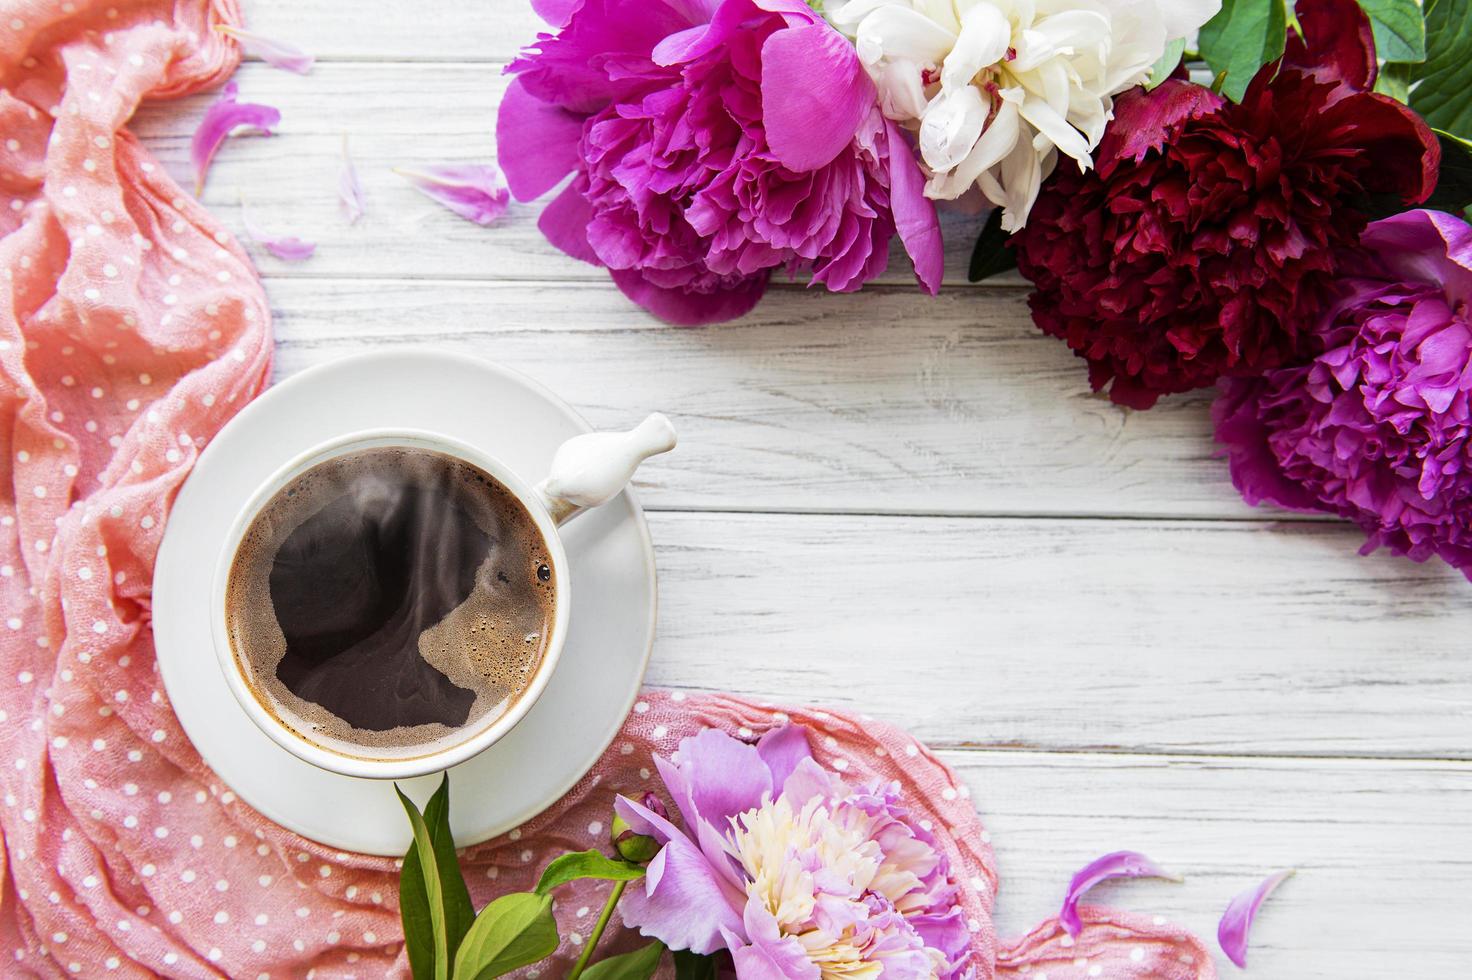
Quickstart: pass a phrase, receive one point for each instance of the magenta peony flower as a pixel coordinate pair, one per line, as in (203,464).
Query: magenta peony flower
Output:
(1377,427)
(797,874)
(1205,243)
(710,143)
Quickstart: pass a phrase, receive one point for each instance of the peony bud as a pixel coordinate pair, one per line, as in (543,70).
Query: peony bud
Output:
(638,848)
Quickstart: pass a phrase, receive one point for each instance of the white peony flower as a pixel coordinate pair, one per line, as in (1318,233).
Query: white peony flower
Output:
(996,89)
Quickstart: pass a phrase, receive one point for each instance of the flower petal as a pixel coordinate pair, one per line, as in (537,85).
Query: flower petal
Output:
(983,41)
(1119,864)
(771,955)
(221,119)
(689,308)
(565,223)
(1236,923)
(1145,121)
(951,126)
(474,191)
(814,95)
(1333,43)
(915,219)
(782,749)
(288,248)
(349,187)
(537,142)
(277,54)
(680,902)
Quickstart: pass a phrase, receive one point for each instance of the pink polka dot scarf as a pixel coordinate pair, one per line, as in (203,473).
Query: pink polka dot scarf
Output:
(131,328)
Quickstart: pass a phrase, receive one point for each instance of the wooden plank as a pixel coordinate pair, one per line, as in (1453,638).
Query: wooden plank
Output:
(1382,851)
(1108,636)
(389,30)
(394,115)
(869,402)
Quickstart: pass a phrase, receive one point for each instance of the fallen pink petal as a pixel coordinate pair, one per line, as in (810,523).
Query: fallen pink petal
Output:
(288,248)
(475,191)
(1118,864)
(277,54)
(1236,924)
(349,187)
(222,119)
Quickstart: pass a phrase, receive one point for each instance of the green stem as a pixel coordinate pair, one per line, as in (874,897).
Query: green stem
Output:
(597,933)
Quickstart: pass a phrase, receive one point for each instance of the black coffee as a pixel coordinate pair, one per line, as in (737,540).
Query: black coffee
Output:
(389,600)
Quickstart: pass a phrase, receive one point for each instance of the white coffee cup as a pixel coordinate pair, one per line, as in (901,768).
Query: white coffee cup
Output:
(587,471)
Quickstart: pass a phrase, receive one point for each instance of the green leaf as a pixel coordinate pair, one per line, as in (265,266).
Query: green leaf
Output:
(991,254)
(638,965)
(1394,80)
(413,903)
(1443,81)
(694,966)
(434,955)
(1241,38)
(1163,68)
(511,932)
(586,864)
(1454,184)
(1400,29)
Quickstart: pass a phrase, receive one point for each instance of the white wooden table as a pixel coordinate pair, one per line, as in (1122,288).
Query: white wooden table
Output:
(915,508)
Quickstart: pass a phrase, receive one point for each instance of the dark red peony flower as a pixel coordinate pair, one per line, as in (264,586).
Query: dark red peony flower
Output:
(1205,243)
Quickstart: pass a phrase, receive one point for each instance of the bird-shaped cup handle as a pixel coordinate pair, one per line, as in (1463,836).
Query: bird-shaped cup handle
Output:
(589,470)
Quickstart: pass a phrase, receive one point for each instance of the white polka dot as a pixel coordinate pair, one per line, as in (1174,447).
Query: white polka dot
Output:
(130,789)
(1138,954)
(14,623)
(188,876)
(258,946)
(222,917)
(214,954)
(130,821)
(160,832)
(99,627)
(325,871)
(641,707)
(159,735)
(146,522)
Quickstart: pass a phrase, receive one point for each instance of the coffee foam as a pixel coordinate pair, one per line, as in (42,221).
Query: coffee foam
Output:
(492,643)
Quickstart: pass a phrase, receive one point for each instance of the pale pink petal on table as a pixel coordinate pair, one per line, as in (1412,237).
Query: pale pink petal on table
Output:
(277,54)
(475,191)
(349,187)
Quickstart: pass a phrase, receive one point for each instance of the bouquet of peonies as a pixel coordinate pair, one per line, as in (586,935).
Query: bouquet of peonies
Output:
(1177,233)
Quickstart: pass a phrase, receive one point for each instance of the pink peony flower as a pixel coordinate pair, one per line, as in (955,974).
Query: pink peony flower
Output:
(710,143)
(1377,427)
(797,874)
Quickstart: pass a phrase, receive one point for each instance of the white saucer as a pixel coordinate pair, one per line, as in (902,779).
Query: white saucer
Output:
(612,563)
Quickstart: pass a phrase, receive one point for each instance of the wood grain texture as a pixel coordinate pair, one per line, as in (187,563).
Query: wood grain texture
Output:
(1114,636)
(869,402)
(1381,850)
(389,30)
